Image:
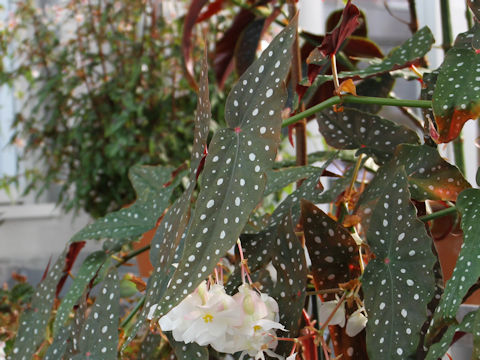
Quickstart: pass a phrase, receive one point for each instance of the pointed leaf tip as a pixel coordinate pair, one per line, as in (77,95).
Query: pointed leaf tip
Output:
(234,173)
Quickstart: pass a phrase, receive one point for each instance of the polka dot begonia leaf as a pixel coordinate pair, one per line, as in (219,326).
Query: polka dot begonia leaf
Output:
(456,98)
(65,343)
(429,176)
(99,336)
(278,179)
(150,347)
(467,268)
(332,250)
(280,246)
(171,230)
(88,270)
(414,48)
(57,350)
(324,155)
(191,351)
(371,134)
(176,219)
(33,322)
(469,324)
(456,90)
(395,297)
(234,178)
(474,5)
(310,190)
(152,199)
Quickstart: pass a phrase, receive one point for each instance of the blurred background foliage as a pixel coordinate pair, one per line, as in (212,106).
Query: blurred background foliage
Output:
(100,87)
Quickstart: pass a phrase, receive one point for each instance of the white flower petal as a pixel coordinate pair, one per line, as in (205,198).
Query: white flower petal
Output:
(326,309)
(356,323)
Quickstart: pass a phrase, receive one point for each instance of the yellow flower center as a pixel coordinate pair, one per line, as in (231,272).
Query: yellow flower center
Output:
(208,318)
(257,328)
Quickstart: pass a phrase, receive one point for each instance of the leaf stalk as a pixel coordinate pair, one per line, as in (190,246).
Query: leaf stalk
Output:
(346,99)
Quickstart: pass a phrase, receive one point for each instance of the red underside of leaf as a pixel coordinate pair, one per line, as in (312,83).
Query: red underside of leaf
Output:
(202,162)
(346,346)
(449,127)
(225,47)
(72,254)
(332,41)
(211,10)
(187,46)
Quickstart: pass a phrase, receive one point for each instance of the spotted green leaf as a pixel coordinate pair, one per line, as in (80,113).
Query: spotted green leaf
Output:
(310,190)
(99,337)
(31,332)
(467,269)
(173,226)
(190,351)
(86,273)
(171,230)
(57,350)
(280,246)
(332,250)
(152,199)
(63,345)
(469,324)
(371,134)
(278,179)
(429,175)
(234,174)
(150,346)
(396,297)
(414,48)
(288,259)
(313,157)
(474,5)
(456,98)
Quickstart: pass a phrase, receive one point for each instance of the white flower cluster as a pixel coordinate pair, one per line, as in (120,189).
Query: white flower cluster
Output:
(244,322)
(356,321)
(2,350)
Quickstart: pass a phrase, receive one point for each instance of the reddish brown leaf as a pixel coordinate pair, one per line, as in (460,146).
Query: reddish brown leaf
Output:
(46,270)
(332,250)
(332,41)
(139,283)
(187,46)
(451,125)
(212,9)
(229,45)
(201,164)
(348,87)
(19,278)
(247,44)
(354,348)
(335,17)
(225,47)
(70,258)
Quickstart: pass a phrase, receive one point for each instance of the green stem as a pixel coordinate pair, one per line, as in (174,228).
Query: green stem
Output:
(355,100)
(446,25)
(468,15)
(132,254)
(438,214)
(133,313)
